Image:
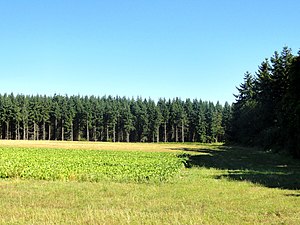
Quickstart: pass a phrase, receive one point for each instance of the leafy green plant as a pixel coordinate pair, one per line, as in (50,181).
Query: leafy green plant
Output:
(87,165)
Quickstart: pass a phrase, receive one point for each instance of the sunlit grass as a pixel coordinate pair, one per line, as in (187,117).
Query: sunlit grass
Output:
(222,186)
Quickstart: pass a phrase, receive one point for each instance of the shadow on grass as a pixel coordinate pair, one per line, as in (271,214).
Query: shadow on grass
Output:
(248,164)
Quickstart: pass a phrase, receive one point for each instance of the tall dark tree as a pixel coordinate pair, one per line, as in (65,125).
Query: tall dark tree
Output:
(200,121)
(127,119)
(6,112)
(291,109)
(244,112)
(190,119)
(266,109)
(141,120)
(178,119)
(165,113)
(155,119)
(55,115)
(111,117)
(226,119)
(217,130)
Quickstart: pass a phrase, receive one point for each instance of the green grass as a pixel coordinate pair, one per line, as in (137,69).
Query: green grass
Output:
(222,185)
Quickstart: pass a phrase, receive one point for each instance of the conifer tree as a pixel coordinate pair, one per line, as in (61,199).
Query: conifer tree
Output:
(165,113)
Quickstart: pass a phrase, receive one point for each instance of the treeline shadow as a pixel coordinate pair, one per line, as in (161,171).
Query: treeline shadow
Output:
(248,164)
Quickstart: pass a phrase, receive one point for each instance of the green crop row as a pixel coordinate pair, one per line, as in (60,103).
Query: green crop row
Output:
(88,165)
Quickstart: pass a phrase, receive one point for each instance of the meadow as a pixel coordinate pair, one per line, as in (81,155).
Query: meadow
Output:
(48,182)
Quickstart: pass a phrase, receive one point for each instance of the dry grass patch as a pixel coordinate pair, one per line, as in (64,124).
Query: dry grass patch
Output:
(118,146)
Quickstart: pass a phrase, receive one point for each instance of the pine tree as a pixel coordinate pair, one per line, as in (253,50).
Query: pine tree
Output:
(191,119)
(155,119)
(200,122)
(127,119)
(291,109)
(217,131)
(165,113)
(55,115)
(244,128)
(226,121)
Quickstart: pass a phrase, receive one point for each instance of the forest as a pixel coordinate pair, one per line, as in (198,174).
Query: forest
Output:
(267,108)
(112,119)
(266,113)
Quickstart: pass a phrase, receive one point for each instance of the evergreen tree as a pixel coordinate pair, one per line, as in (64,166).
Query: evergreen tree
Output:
(200,121)
(226,119)
(141,120)
(55,115)
(165,113)
(217,131)
(155,119)
(107,118)
(6,111)
(291,109)
(266,109)
(190,119)
(111,117)
(244,112)
(127,118)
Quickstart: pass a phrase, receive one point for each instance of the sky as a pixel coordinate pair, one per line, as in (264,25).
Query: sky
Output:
(159,48)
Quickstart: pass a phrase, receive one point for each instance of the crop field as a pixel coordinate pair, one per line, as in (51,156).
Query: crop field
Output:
(145,183)
(87,165)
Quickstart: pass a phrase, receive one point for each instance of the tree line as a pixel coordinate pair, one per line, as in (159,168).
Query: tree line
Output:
(107,118)
(267,108)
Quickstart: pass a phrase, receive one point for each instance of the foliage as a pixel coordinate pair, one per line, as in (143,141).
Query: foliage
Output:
(110,118)
(87,165)
(266,111)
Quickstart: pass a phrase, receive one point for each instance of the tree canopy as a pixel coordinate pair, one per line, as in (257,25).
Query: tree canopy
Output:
(111,118)
(266,113)
(267,108)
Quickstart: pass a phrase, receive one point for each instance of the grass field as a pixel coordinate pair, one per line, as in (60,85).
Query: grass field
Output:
(219,185)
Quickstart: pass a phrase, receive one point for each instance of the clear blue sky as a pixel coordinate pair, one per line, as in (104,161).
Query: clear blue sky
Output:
(158,48)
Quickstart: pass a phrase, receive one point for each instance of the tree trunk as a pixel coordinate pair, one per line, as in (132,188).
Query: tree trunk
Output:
(37,132)
(24,131)
(114,133)
(87,131)
(27,132)
(157,135)
(165,132)
(7,129)
(19,131)
(121,133)
(101,135)
(55,129)
(71,131)
(107,134)
(95,133)
(176,134)
(182,132)
(49,132)
(34,131)
(44,131)
(62,130)
(16,132)
(127,136)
